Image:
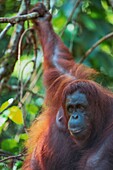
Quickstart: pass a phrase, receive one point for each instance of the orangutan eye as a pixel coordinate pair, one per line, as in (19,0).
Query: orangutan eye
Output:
(70,108)
(80,106)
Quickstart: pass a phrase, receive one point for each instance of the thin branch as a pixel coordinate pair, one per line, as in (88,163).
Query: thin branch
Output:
(22,86)
(17,19)
(48,4)
(35,77)
(11,88)
(95,45)
(34,60)
(20,46)
(13,157)
(71,15)
(10,57)
(15,88)
(34,94)
(5,30)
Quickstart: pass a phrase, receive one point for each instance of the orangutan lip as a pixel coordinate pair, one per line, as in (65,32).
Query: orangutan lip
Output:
(76,130)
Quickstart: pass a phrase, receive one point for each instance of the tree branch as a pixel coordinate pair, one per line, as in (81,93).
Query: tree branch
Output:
(13,157)
(7,62)
(95,45)
(48,4)
(17,19)
(5,30)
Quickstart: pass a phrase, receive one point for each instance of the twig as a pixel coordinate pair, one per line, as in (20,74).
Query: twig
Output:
(34,94)
(5,30)
(12,157)
(95,45)
(34,60)
(11,88)
(14,20)
(33,79)
(48,4)
(10,56)
(20,46)
(24,85)
(71,15)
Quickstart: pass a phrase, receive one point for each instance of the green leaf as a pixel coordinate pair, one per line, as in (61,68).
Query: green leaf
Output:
(16,115)
(32,108)
(24,136)
(85,5)
(89,23)
(9,144)
(59,21)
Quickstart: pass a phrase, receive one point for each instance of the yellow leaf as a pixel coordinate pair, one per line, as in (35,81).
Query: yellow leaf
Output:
(4,105)
(16,115)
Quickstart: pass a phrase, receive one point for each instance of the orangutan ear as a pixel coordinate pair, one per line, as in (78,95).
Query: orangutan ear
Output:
(61,120)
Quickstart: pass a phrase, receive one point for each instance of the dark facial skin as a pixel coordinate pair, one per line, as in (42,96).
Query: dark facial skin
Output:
(77,111)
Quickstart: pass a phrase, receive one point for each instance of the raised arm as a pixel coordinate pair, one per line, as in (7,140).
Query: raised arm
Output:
(58,61)
(56,54)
